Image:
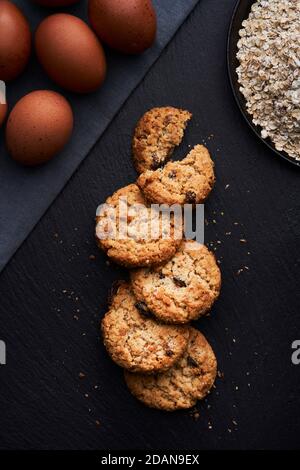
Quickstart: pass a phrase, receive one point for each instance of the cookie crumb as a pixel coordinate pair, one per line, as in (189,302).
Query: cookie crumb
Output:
(194,413)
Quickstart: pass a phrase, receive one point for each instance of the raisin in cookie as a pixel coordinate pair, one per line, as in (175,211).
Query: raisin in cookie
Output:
(132,234)
(188,181)
(189,380)
(135,340)
(184,288)
(157,133)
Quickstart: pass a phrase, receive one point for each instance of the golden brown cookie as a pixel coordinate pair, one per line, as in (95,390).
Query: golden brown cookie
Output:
(157,133)
(188,181)
(182,289)
(132,234)
(135,340)
(189,380)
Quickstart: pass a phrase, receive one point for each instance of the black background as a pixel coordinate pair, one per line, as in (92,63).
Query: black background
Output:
(53,295)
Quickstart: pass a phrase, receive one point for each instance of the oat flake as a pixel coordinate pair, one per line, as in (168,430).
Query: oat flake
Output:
(269,71)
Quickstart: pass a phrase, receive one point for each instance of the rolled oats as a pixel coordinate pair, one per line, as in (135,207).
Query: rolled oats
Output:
(269,71)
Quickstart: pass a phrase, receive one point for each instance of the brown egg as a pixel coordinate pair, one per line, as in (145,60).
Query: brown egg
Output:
(126,25)
(70,53)
(15,41)
(55,3)
(38,127)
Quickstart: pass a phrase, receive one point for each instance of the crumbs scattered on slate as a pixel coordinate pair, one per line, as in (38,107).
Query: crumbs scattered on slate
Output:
(194,413)
(239,271)
(220,375)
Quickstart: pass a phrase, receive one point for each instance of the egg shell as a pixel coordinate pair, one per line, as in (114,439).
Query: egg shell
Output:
(55,3)
(70,53)
(38,127)
(15,41)
(128,26)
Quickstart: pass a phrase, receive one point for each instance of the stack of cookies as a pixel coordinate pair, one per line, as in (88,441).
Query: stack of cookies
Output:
(168,364)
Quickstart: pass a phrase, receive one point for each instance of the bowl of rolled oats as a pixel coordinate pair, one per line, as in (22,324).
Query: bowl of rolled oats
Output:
(263,55)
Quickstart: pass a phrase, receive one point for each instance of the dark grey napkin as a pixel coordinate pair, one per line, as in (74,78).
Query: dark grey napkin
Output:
(25,194)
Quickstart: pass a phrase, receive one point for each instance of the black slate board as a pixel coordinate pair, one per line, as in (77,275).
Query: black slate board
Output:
(256,405)
(25,194)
